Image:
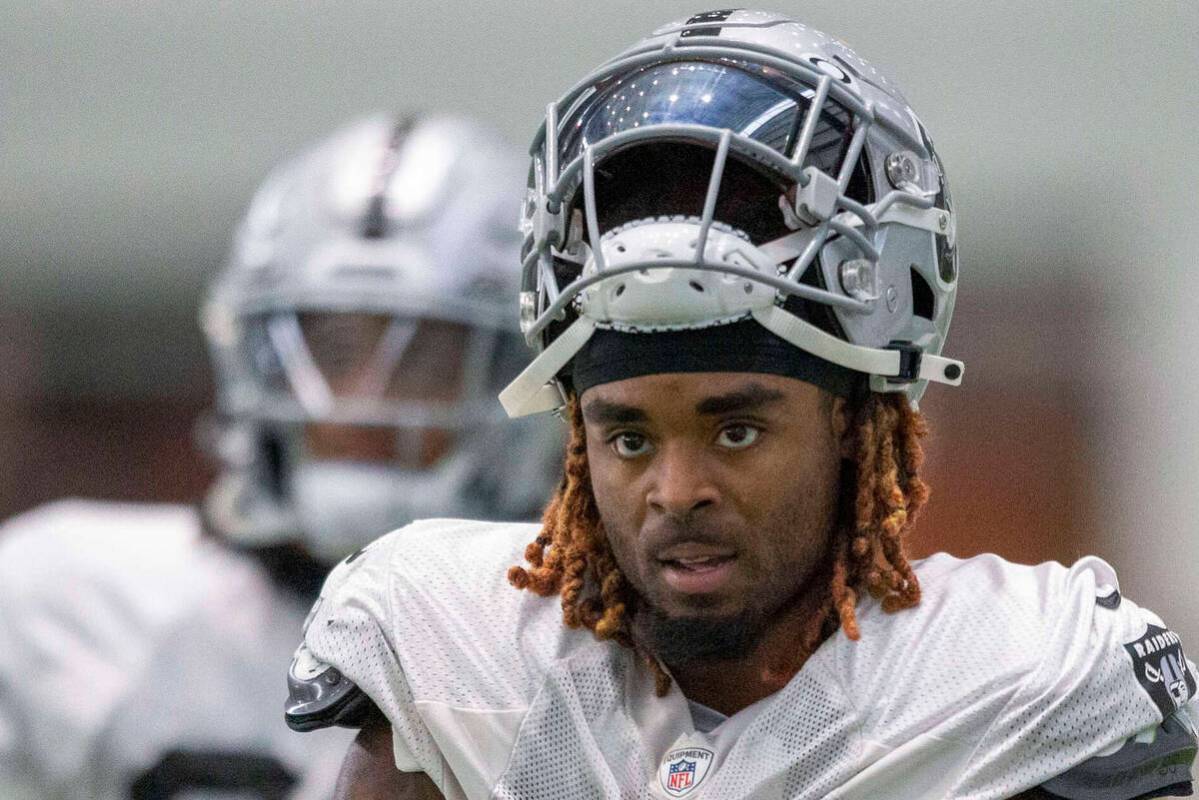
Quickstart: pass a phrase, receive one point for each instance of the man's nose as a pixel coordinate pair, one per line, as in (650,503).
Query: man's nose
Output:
(680,483)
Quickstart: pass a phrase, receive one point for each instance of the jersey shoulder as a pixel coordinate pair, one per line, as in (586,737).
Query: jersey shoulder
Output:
(438,592)
(980,621)
(75,559)
(1004,613)
(424,622)
(1060,620)
(99,529)
(1037,666)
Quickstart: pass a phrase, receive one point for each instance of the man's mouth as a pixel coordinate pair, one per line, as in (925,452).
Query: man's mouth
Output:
(693,568)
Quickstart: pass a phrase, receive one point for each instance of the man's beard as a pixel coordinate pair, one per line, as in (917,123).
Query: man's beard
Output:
(689,640)
(696,639)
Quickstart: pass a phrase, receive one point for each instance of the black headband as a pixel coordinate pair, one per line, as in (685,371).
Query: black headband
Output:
(743,346)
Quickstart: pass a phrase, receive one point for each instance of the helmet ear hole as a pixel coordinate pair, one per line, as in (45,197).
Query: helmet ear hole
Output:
(923,303)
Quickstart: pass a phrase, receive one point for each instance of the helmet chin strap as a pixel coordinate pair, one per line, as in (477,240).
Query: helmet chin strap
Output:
(536,389)
(877,362)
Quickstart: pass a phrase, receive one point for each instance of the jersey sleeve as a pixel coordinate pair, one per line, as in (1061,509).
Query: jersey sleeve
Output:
(1157,762)
(349,648)
(1107,672)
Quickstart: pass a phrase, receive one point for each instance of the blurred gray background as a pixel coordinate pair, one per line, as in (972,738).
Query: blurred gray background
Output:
(133,134)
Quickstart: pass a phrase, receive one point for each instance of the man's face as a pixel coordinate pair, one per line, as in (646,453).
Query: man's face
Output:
(718,493)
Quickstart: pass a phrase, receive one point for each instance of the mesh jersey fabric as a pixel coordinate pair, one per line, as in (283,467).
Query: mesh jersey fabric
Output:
(133,648)
(1003,677)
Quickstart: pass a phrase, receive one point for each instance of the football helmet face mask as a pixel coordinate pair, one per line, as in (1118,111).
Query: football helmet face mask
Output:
(359,334)
(872,234)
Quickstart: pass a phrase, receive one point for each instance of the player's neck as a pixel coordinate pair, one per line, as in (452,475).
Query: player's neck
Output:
(728,686)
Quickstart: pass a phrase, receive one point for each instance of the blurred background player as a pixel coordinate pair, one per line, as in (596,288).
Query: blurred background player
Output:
(359,334)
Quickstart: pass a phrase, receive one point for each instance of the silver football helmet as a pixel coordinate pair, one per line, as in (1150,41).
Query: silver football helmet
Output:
(359,334)
(868,242)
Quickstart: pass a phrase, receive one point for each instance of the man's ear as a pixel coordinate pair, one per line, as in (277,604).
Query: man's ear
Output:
(841,419)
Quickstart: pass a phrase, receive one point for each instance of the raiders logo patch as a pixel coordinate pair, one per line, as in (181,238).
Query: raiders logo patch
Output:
(1161,669)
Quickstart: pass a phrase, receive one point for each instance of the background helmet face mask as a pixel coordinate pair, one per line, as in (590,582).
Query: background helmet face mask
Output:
(360,331)
(378,369)
(871,237)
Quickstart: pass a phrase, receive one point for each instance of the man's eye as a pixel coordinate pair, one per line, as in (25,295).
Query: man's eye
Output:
(737,437)
(630,445)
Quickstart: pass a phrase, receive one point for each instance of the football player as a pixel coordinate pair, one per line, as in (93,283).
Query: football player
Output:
(740,266)
(359,334)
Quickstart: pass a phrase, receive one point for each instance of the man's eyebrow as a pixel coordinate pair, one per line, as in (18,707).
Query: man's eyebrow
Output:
(605,412)
(749,398)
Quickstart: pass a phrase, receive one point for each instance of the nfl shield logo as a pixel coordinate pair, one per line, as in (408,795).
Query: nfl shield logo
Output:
(682,774)
(683,769)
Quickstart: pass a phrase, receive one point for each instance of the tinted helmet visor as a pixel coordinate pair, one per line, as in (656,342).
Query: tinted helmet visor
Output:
(753,101)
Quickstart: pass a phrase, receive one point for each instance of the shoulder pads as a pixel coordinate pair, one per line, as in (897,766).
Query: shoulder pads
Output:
(1155,763)
(319,696)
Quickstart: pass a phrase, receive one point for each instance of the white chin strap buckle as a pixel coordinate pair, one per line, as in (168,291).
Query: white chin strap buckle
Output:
(914,365)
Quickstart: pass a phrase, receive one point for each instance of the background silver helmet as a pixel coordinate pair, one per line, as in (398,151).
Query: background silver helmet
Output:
(869,243)
(359,333)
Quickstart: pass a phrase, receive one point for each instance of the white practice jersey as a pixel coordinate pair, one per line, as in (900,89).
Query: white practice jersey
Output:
(139,659)
(1004,677)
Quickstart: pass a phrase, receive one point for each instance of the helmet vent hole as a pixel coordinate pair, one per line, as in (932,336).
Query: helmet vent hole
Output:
(946,263)
(620,248)
(923,301)
(618,291)
(697,286)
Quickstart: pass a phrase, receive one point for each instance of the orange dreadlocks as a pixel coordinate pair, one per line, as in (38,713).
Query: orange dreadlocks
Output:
(571,556)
